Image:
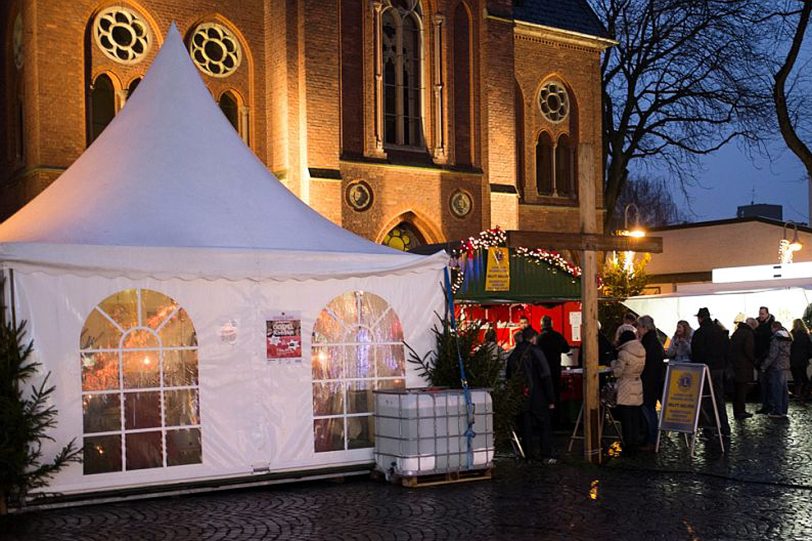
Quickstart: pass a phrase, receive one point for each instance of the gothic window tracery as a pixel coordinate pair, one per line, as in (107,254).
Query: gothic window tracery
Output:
(401,52)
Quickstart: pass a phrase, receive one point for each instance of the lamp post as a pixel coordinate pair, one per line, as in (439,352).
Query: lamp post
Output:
(787,248)
(635,231)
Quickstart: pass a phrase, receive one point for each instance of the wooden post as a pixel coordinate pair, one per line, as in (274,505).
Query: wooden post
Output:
(589,305)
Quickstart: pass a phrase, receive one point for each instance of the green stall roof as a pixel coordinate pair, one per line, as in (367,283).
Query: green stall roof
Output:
(530,281)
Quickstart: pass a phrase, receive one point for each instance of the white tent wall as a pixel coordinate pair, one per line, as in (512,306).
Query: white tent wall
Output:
(254,413)
(786,304)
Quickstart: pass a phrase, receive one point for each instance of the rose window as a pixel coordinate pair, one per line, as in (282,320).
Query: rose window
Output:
(554,102)
(122,35)
(215,50)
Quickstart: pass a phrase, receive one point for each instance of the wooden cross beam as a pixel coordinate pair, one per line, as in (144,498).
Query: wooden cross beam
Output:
(593,242)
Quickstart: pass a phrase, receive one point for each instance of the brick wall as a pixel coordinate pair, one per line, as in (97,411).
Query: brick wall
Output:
(308,79)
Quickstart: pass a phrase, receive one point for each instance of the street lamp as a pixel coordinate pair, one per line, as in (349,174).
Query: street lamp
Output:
(787,248)
(635,231)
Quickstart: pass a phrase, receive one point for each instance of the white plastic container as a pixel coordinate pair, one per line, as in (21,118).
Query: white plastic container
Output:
(421,431)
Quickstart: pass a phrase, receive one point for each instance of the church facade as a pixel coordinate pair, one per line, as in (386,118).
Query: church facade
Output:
(405,121)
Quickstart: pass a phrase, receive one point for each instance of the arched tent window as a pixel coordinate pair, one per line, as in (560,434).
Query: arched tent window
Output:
(140,397)
(545,184)
(462,86)
(401,25)
(102,105)
(403,237)
(564,178)
(357,348)
(230,108)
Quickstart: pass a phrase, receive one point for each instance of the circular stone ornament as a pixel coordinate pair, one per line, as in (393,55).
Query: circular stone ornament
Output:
(17,41)
(359,195)
(461,204)
(554,102)
(215,50)
(122,35)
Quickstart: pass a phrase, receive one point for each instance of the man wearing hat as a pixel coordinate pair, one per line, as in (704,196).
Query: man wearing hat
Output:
(743,357)
(709,345)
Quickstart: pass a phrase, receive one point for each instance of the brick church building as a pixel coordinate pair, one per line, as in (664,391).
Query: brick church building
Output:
(406,121)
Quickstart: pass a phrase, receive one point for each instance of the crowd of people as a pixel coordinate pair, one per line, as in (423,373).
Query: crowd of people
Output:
(760,350)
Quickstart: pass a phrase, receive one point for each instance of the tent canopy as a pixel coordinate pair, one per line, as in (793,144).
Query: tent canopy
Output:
(170,190)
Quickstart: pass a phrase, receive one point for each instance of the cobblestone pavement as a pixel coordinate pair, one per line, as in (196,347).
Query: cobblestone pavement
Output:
(760,490)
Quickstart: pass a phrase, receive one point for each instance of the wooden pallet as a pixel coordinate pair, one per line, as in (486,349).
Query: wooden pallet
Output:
(414,481)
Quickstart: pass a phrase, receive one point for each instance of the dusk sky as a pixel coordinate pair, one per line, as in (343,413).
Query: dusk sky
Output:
(731,178)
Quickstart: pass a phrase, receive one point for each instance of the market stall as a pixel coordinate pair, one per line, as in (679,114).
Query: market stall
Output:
(199,321)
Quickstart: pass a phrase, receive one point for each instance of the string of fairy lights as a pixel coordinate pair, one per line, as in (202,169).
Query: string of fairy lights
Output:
(496,237)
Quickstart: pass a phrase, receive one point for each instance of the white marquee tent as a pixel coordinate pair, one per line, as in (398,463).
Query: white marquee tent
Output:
(200,322)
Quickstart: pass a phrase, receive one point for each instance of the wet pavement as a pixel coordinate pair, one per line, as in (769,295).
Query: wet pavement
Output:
(760,490)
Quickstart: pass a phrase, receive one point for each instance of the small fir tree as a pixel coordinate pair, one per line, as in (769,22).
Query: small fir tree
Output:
(440,368)
(25,419)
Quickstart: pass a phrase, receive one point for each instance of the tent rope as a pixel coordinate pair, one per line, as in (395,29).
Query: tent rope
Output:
(469,406)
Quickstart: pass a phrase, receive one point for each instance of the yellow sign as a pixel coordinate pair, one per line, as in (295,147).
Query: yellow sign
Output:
(683,392)
(498,277)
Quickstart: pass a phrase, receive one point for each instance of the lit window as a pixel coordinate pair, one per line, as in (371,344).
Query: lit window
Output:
(404,237)
(357,348)
(140,397)
(102,106)
(402,81)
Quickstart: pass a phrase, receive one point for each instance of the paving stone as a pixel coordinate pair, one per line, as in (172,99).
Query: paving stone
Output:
(760,489)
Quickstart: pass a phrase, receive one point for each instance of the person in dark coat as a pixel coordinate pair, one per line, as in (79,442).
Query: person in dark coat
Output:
(553,344)
(528,363)
(653,377)
(777,365)
(709,346)
(743,356)
(800,353)
(764,333)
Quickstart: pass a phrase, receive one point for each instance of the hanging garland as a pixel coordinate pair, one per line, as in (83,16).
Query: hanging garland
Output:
(497,237)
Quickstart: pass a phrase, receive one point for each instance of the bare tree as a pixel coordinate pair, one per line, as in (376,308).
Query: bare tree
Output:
(654,201)
(789,117)
(682,81)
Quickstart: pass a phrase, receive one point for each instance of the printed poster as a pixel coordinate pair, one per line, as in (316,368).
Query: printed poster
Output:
(498,274)
(283,337)
(683,392)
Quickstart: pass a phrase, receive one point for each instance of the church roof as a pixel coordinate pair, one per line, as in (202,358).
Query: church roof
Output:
(572,15)
(171,174)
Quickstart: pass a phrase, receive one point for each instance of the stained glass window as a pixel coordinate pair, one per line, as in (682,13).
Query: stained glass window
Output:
(401,52)
(140,393)
(403,237)
(357,348)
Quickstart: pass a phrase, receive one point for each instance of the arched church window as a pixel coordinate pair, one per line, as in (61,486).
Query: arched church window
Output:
(102,105)
(401,25)
(545,184)
(462,86)
(140,389)
(403,237)
(228,104)
(357,348)
(133,85)
(564,180)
